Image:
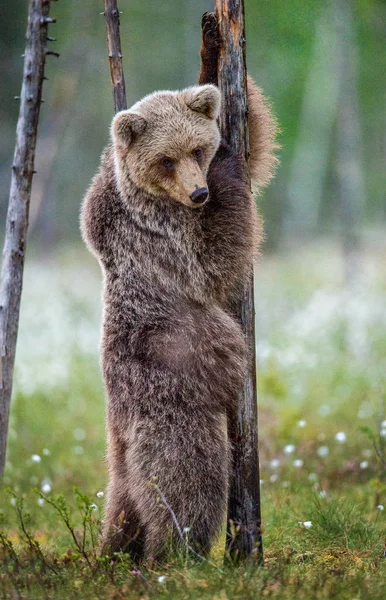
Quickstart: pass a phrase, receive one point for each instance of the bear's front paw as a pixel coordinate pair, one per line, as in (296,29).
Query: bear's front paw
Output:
(210,32)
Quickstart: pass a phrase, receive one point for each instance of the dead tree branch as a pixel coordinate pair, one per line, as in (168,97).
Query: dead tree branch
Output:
(115,56)
(19,199)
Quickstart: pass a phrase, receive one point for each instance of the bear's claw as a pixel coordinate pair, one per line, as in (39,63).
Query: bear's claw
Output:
(210,29)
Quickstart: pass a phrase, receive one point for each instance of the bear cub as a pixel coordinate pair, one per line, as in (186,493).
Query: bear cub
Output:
(173,223)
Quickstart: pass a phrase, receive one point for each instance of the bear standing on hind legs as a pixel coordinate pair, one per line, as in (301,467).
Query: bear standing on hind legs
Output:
(171,219)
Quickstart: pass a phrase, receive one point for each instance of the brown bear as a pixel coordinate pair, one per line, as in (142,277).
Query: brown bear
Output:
(173,223)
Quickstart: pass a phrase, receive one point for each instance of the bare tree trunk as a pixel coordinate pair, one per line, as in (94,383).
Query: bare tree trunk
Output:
(244,517)
(19,198)
(115,55)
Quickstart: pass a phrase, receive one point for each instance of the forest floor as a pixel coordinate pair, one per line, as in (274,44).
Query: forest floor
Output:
(321,348)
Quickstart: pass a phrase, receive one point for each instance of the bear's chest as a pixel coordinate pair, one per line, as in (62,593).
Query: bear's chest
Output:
(164,251)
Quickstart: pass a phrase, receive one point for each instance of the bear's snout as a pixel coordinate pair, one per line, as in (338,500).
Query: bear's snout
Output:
(200,195)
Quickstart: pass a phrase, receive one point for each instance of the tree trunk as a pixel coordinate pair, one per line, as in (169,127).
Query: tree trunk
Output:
(115,55)
(19,199)
(244,517)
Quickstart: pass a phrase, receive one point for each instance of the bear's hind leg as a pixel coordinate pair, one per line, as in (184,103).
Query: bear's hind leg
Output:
(180,475)
(122,531)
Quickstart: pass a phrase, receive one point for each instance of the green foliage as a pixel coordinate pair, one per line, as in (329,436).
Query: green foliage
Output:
(339,556)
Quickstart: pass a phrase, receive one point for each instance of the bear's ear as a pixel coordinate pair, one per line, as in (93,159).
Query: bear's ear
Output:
(126,126)
(205,99)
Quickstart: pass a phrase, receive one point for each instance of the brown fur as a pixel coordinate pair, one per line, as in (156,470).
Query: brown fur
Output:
(173,357)
(262,133)
(145,136)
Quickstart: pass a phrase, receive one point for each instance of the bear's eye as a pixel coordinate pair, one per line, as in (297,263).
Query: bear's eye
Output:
(197,153)
(168,163)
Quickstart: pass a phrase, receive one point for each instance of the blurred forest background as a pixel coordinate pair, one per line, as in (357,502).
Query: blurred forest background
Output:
(323,65)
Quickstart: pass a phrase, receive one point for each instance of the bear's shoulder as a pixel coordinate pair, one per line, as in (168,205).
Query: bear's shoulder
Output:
(101,207)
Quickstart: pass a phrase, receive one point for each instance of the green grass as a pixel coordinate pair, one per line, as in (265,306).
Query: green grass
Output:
(321,377)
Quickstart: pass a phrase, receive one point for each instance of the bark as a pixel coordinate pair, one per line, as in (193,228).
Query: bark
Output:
(19,199)
(232,74)
(223,63)
(115,56)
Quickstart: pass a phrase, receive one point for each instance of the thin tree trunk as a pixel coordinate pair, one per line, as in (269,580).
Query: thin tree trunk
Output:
(244,518)
(115,55)
(19,199)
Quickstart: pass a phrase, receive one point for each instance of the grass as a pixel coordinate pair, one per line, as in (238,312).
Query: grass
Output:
(321,375)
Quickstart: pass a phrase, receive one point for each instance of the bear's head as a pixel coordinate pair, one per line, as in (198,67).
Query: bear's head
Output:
(164,143)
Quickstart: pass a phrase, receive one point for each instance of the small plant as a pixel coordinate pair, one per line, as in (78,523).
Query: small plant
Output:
(24,521)
(84,540)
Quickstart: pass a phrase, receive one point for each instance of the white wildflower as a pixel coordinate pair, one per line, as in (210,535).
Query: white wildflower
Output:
(341,437)
(383,424)
(46,485)
(273,478)
(323,451)
(306,524)
(162,579)
(186,529)
(298,463)
(100,494)
(275,462)
(46,452)
(312,477)
(93,507)
(13,501)
(289,449)
(364,464)
(36,458)
(41,501)
(383,432)
(380,507)
(322,494)
(302,423)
